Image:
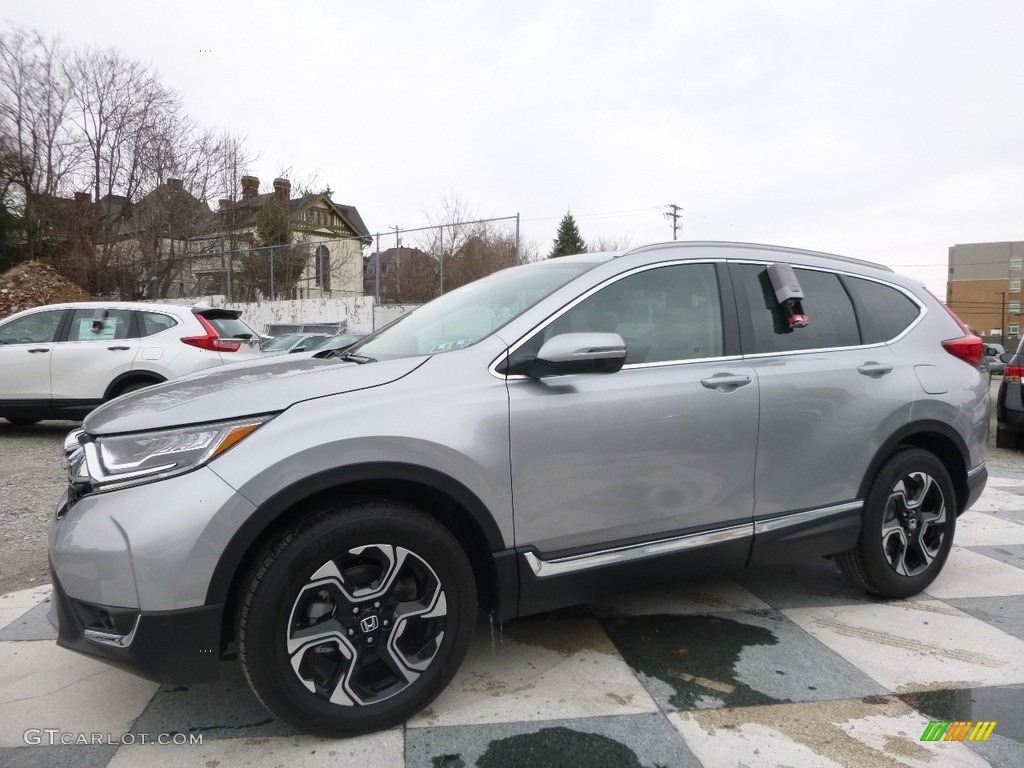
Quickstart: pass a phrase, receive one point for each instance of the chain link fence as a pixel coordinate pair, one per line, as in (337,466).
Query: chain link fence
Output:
(402,266)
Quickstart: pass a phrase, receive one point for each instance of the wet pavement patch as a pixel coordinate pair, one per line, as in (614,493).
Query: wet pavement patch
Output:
(739,659)
(1002,704)
(632,741)
(696,656)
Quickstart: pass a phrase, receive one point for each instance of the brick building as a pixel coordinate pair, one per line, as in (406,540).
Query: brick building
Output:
(984,288)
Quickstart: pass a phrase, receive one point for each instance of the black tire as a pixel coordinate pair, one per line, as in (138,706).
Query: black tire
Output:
(907,529)
(1007,439)
(22,421)
(373,602)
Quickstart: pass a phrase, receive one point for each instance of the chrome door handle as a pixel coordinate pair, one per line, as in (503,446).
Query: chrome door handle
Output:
(874,369)
(726,382)
(118,349)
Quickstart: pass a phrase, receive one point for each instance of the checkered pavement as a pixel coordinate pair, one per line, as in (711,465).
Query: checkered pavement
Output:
(775,666)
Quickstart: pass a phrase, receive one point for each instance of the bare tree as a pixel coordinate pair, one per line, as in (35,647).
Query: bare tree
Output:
(465,246)
(600,244)
(126,117)
(35,131)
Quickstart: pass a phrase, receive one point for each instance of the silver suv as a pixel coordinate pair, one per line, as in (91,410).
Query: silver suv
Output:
(539,438)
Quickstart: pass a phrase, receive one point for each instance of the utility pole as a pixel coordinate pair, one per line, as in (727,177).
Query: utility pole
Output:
(398,264)
(674,214)
(1002,318)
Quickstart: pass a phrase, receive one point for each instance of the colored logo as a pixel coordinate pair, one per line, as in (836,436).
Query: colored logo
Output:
(958,730)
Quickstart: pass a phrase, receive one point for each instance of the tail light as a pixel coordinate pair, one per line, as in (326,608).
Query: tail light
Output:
(1013,374)
(969,348)
(211,342)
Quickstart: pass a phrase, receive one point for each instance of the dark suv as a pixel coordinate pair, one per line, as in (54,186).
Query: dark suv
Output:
(541,437)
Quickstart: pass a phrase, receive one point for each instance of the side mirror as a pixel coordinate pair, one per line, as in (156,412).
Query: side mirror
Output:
(1006,357)
(570,353)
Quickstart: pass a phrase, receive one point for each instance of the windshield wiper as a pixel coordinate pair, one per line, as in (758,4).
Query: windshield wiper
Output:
(361,359)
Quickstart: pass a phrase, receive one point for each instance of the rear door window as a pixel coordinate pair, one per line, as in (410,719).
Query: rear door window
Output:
(828,307)
(154,322)
(882,311)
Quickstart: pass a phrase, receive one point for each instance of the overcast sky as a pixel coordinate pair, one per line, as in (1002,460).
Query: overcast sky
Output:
(882,129)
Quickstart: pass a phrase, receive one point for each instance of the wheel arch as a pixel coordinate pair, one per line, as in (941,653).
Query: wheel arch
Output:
(441,497)
(935,437)
(131,377)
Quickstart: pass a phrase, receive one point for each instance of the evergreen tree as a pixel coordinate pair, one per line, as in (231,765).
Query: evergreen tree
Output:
(272,272)
(568,240)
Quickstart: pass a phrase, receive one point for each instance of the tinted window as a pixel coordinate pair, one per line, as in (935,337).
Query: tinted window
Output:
(663,314)
(154,322)
(832,322)
(115,325)
(37,328)
(883,312)
(229,327)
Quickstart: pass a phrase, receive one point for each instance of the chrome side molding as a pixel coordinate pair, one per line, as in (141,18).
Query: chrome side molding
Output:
(570,564)
(798,518)
(558,566)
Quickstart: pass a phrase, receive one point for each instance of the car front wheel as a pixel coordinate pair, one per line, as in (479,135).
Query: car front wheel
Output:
(907,529)
(357,618)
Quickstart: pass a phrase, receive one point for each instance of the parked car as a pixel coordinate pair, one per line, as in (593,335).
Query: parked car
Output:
(1010,401)
(61,361)
(279,329)
(993,358)
(294,342)
(339,343)
(542,437)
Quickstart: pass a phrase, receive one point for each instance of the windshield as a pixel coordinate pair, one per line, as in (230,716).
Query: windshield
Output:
(461,318)
(281,342)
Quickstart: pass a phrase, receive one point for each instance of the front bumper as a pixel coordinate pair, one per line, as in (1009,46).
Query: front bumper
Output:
(178,647)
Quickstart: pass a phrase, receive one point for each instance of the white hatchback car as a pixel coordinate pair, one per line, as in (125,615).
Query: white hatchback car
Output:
(61,361)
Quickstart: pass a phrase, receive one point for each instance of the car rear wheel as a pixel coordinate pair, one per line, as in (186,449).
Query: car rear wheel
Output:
(1007,439)
(907,529)
(357,618)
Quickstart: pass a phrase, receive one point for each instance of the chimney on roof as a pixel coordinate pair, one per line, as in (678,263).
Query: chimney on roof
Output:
(250,187)
(174,183)
(282,191)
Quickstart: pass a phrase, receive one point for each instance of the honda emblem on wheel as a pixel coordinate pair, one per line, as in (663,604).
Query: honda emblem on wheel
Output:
(369,624)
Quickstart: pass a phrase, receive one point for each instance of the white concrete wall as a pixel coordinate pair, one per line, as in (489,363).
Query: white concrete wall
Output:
(357,311)
(385,313)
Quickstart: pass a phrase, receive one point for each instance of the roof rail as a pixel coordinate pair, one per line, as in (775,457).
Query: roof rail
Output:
(754,246)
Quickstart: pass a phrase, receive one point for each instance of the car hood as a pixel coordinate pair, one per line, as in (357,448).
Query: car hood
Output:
(241,389)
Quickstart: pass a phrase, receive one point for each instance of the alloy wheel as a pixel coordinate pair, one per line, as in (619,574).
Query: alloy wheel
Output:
(913,524)
(366,625)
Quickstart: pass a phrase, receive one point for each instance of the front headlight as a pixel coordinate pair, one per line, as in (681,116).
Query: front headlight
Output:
(143,456)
